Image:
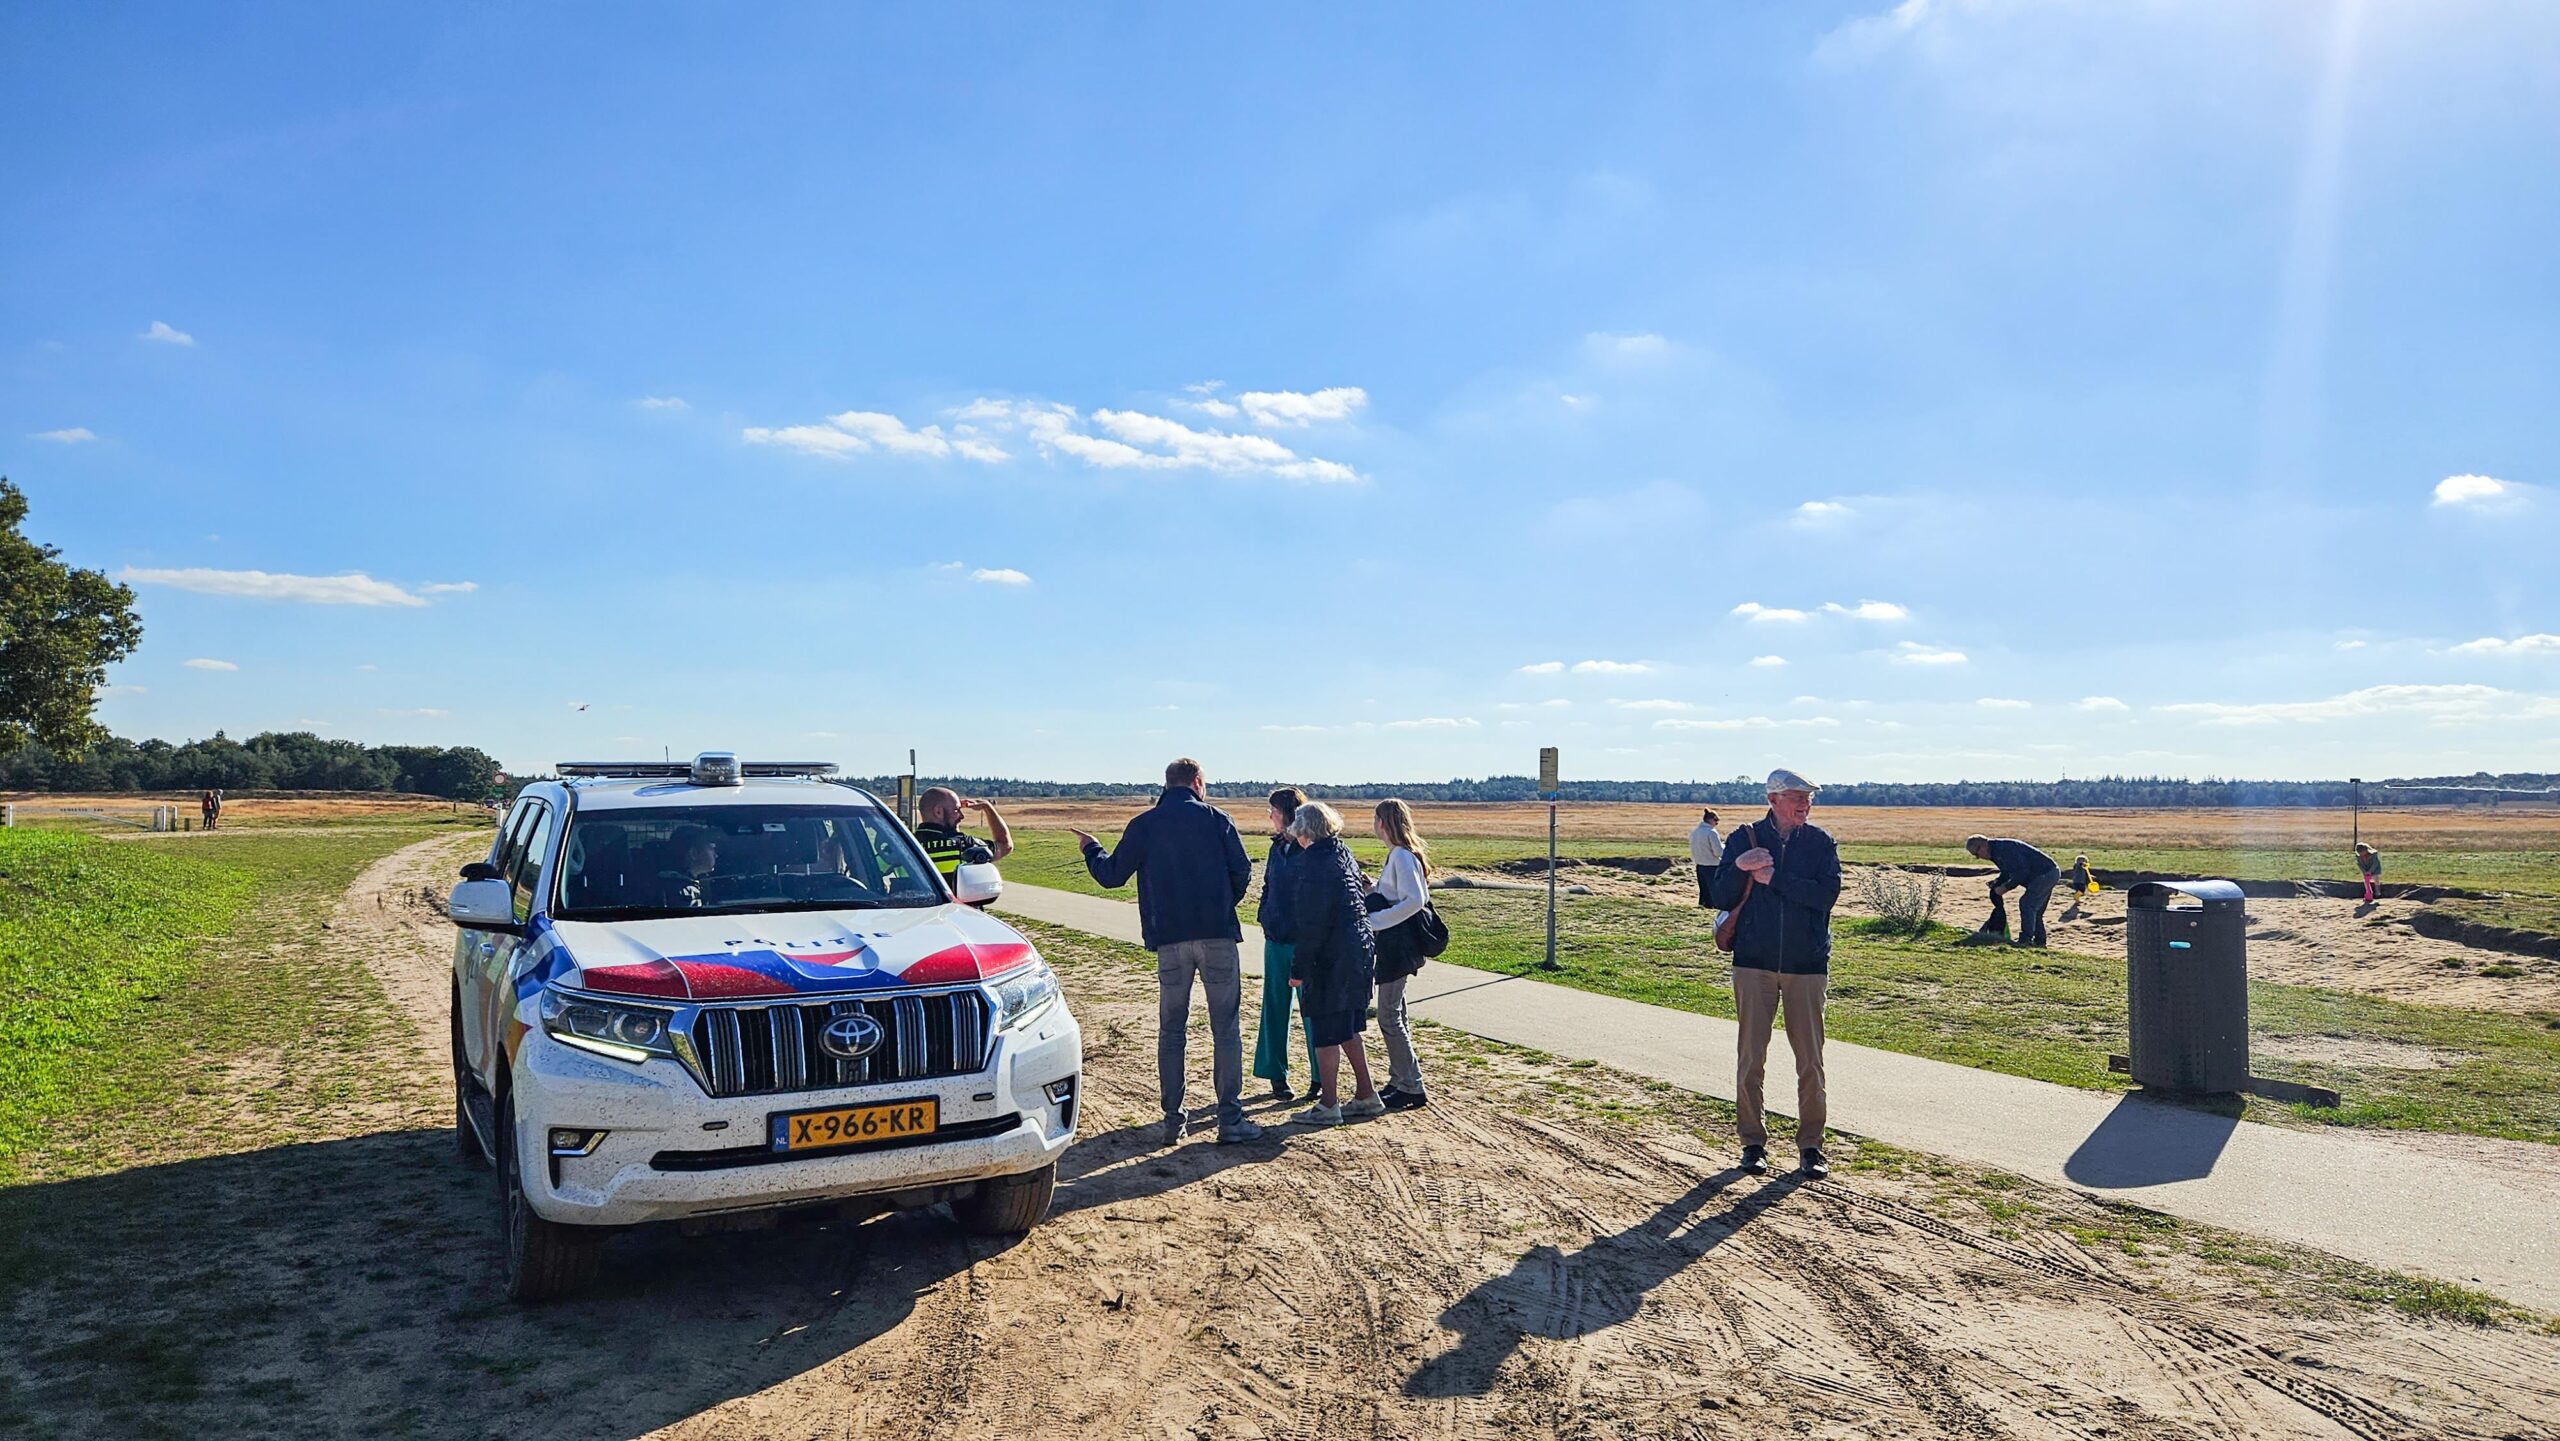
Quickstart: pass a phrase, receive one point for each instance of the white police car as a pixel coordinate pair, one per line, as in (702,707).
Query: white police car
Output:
(714,992)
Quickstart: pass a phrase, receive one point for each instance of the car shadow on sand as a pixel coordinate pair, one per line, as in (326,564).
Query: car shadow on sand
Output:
(1562,1295)
(350,1287)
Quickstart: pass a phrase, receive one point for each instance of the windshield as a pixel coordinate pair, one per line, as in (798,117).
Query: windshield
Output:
(726,860)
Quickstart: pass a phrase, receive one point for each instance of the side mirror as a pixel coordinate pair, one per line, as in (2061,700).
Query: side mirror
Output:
(482,871)
(484,905)
(977,885)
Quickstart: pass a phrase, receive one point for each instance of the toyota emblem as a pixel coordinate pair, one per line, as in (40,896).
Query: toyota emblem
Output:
(850,1037)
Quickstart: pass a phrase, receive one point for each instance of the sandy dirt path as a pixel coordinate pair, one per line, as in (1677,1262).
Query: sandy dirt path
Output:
(1504,1263)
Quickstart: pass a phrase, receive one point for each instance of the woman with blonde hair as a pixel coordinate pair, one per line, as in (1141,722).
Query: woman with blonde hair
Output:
(1395,914)
(1334,958)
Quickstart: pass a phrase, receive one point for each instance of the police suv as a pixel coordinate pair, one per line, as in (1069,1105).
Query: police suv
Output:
(715,992)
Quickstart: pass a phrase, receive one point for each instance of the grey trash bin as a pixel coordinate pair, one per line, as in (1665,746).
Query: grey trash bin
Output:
(2186,947)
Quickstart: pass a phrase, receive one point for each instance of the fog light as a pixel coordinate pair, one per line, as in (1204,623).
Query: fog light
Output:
(566,1142)
(1060,1092)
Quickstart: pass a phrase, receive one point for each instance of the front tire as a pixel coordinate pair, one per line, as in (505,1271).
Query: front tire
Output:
(1008,1205)
(545,1260)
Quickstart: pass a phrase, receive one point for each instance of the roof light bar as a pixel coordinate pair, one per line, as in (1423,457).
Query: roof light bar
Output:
(686,770)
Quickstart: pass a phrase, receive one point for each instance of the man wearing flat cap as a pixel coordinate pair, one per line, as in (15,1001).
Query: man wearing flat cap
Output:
(1781,876)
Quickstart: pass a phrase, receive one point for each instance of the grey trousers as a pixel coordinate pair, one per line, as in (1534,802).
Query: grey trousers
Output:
(1220,968)
(2038,895)
(1403,1071)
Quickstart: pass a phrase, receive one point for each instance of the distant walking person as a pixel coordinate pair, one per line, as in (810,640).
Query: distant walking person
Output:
(2077,883)
(1706,852)
(2369,866)
(1395,916)
(1782,874)
(1279,872)
(1192,872)
(1334,962)
(211,804)
(2022,868)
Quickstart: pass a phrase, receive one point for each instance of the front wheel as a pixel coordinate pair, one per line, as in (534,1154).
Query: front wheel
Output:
(545,1260)
(1008,1205)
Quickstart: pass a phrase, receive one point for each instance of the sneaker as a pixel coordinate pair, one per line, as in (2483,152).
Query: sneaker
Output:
(1239,1133)
(1170,1132)
(1397,1100)
(1816,1165)
(1318,1114)
(1755,1160)
(1373,1106)
(1280,1092)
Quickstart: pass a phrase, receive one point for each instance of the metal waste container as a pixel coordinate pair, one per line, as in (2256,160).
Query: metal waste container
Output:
(2186,947)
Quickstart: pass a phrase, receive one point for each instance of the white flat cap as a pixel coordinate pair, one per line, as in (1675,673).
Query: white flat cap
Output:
(1787,780)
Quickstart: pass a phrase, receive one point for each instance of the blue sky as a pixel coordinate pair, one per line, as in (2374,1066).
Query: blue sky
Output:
(1957,389)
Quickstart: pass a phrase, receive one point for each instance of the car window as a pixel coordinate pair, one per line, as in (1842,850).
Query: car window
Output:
(510,838)
(524,869)
(737,859)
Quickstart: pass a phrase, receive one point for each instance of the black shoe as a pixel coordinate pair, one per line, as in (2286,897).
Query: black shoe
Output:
(1280,1091)
(1404,1100)
(1815,1164)
(1755,1160)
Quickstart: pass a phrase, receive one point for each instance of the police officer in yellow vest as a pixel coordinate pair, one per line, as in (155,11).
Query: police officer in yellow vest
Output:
(939,812)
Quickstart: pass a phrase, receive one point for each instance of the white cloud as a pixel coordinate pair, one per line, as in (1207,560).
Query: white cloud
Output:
(2101,703)
(2440,704)
(1212,406)
(662,402)
(1912,652)
(1559,703)
(1138,441)
(1652,705)
(1433,723)
(999,577)
(449,587)
(1273,409)
(203,663)
(167,334)
(1868,610)
(2351,645)
(1611,667)
(75,435)
(2479,492)
(1994,702)
(2537,644)
(1544,667)
(1816,514)
(416,713)
(1641,346)
(1762,614)
(102,692)
(1768,662)
(353,588)
(860,432)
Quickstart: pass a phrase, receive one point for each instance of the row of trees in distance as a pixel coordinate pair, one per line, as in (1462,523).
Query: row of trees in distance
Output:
(274,760)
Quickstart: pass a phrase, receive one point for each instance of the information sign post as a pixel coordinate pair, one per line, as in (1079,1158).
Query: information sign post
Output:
(1551,790)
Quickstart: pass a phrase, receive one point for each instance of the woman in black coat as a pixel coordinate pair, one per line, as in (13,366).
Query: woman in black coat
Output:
(1334,962)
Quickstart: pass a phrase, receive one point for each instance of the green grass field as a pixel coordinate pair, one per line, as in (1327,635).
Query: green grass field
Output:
(2047,1015)
(128,968)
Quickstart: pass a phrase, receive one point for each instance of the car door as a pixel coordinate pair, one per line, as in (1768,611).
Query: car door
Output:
(527,862)
(473,951)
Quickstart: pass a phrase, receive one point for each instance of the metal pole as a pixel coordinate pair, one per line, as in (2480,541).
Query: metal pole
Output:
(2355,810)
(1550,963)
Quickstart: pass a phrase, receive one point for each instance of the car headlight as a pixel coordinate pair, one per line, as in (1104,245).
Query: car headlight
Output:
(608,1028)
(1025,994)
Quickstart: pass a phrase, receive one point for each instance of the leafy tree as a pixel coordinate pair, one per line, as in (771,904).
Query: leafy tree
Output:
(60,628)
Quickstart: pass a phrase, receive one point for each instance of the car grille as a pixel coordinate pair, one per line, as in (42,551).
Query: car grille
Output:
(774,1050)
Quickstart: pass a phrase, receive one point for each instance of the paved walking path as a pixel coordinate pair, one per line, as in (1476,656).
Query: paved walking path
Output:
(2362,1195)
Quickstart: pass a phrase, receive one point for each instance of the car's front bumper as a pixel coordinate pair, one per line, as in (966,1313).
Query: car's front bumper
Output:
(670,1152)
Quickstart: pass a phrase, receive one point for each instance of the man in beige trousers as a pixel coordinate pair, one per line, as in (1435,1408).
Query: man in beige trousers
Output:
(1782,873)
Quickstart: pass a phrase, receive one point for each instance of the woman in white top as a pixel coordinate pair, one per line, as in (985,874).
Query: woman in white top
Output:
(1403,888)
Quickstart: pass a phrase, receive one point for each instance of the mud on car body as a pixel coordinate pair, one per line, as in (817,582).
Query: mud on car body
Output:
(713,993)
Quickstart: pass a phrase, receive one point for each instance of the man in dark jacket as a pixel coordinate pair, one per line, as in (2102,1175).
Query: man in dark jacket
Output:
(1191,871)
(1279,937)
(2022,868)
(1783,874)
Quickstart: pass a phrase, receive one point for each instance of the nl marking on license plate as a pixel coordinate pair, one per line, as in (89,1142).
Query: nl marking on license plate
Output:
(853,1125)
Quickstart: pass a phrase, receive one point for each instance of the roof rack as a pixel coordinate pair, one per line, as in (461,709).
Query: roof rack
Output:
(683,770)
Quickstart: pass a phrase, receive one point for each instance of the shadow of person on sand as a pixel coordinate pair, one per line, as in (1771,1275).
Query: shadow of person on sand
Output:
(1133,1164)
(350,1287)
(1557,1295)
